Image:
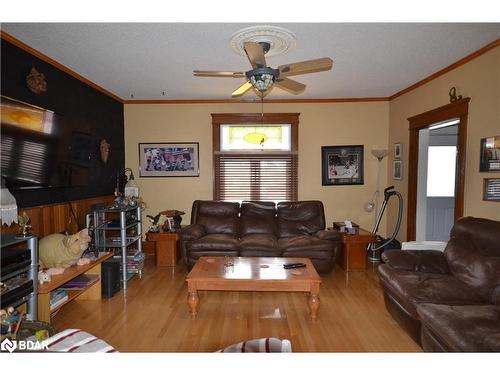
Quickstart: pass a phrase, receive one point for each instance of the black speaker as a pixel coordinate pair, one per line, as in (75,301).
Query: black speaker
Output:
(110,273)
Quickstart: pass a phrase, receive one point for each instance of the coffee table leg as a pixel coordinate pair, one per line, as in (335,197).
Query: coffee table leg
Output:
(193,301)
(314,301)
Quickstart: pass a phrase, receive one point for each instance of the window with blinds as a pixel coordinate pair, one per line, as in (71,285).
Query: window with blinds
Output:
(256,177)
(255,160)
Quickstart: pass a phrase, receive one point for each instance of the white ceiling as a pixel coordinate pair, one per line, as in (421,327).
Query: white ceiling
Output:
(145,59)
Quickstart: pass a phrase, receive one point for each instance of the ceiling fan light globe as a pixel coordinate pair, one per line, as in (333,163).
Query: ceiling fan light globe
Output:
(262,82)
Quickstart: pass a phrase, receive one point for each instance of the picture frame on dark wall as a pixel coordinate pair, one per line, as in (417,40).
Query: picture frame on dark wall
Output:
(490,154)
(397,170)
(398,150)
(342,165)
(169,159)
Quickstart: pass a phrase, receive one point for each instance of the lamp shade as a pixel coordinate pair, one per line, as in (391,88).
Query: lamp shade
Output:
(8,207)
(379,153)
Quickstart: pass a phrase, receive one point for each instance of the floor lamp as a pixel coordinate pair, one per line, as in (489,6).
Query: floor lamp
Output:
(380,154)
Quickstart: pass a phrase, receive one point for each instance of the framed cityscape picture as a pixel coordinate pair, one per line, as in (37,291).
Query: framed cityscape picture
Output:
(342,165)
(169,160)
(490,154)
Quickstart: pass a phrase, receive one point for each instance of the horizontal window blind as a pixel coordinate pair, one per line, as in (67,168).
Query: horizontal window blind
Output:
(255,177)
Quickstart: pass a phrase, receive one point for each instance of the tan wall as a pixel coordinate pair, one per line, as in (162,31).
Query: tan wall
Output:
(320,125)
(479,79)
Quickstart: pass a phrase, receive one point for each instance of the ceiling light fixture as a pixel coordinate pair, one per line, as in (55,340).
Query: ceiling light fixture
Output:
(262,78)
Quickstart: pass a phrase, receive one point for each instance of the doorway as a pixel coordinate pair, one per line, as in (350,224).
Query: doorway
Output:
(437,159)
(437,171)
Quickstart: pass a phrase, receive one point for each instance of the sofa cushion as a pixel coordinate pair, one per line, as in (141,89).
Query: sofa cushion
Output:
(257,218)
(259,245)
(463,328)
(222,242)
(217,217)
(412,288)
(305,243)
(296,218)
(473,254)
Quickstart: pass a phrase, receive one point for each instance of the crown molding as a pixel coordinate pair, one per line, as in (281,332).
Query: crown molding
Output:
(12,40)
(449,68)
(254,101)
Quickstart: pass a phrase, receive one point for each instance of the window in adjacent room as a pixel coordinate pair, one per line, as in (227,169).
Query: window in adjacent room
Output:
(441,169)
(255,157)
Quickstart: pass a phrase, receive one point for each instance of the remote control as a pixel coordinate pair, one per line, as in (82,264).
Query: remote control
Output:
(293,265)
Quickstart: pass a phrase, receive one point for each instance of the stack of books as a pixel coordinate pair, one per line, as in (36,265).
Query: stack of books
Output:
(136,262)
(57,298)
(80,282)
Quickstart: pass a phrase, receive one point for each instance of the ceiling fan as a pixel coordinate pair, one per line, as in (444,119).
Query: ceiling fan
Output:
(262,78)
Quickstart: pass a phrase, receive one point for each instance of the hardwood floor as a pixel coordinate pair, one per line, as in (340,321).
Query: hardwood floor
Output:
(153,316)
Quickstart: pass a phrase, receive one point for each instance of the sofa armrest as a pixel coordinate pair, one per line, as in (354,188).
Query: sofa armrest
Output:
(431,261)
(331,235)
(192,232)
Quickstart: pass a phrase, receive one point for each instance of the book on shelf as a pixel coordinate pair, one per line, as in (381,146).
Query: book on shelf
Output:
(57,298)
(80,282)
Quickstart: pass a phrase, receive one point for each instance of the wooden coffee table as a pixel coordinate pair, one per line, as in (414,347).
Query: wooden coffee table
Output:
(253,274)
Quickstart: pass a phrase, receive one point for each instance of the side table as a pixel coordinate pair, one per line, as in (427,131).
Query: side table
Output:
(354,254)
(165,247)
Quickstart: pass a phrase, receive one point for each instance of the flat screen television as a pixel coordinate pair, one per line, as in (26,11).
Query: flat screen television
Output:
(40,149)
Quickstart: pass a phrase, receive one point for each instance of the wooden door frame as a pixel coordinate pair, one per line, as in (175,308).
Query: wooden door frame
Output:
(458,109)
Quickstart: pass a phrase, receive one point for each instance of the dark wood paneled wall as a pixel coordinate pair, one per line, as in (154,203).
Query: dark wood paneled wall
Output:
(58,217)
(86,108)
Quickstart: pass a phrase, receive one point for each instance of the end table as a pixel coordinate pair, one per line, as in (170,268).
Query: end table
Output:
(354,253)
(165,247)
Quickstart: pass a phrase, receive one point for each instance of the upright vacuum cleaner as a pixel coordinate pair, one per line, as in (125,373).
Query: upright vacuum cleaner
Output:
(375,249)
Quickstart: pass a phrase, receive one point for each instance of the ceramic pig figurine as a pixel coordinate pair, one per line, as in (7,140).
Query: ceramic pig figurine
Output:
(62,251)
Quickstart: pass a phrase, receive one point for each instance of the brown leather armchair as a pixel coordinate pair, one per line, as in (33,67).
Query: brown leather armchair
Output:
(260,229)
(448,301)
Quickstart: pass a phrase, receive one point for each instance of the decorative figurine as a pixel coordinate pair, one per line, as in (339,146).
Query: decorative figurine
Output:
(153,228)
(173,222)
(23,225)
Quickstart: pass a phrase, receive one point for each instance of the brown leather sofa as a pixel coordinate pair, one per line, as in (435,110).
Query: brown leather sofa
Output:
(448,301)
(260,229)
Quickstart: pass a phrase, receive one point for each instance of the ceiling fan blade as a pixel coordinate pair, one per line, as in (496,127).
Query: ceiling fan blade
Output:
(255,54)
(305,67)
(290,85)
(217,73)
(242,89)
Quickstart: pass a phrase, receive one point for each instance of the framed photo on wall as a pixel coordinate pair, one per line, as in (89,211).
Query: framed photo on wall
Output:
(398,150)
(342,165)
(169,160)
(491,189)
(490,154)
(397,170)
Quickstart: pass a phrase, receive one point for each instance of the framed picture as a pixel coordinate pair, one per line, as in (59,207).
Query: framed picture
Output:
(491,189)
(490,154)
(397,170)
(398,150)
(169,160)
(342,165)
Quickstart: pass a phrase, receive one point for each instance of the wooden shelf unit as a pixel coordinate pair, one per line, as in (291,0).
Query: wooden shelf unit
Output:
(91,292)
